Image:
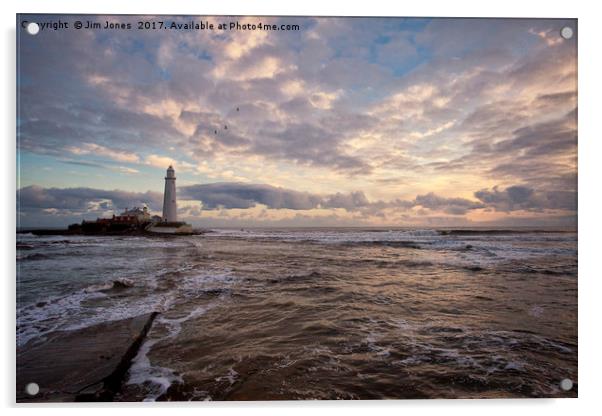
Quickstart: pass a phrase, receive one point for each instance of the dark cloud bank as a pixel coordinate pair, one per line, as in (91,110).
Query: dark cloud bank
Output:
(37,202)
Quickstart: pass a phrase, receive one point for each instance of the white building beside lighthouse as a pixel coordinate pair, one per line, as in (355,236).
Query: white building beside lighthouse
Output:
(170,206)
(169,221)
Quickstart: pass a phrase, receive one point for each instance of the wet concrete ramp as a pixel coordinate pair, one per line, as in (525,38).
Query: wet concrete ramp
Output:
(87,364)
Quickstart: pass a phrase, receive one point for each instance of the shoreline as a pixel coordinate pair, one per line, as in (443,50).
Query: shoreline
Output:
(136,232)
(457,231)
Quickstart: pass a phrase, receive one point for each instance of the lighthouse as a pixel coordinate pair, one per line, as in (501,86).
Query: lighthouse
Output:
(169,197)
(169,223)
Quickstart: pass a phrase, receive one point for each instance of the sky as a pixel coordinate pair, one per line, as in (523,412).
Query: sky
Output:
(406,122)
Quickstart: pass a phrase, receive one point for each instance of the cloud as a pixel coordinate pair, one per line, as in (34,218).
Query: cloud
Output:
(160,161)
(453,206)
(84,163)
(350,201)
(127,170)
(98,150)
(228,195)
(549,36)
(31,198)
(241,195)
(312,145)
(524,198)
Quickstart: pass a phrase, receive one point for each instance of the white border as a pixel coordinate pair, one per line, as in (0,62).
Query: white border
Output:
(590,69)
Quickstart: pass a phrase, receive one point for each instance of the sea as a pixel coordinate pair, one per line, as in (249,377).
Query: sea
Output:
(319,313)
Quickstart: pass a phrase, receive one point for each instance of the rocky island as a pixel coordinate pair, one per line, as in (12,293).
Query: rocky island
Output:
(134,221)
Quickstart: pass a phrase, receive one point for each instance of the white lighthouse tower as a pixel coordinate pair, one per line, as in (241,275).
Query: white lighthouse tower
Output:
(169,197)
(169,223)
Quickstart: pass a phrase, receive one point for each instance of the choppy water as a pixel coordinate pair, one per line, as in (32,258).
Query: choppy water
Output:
(319,313)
